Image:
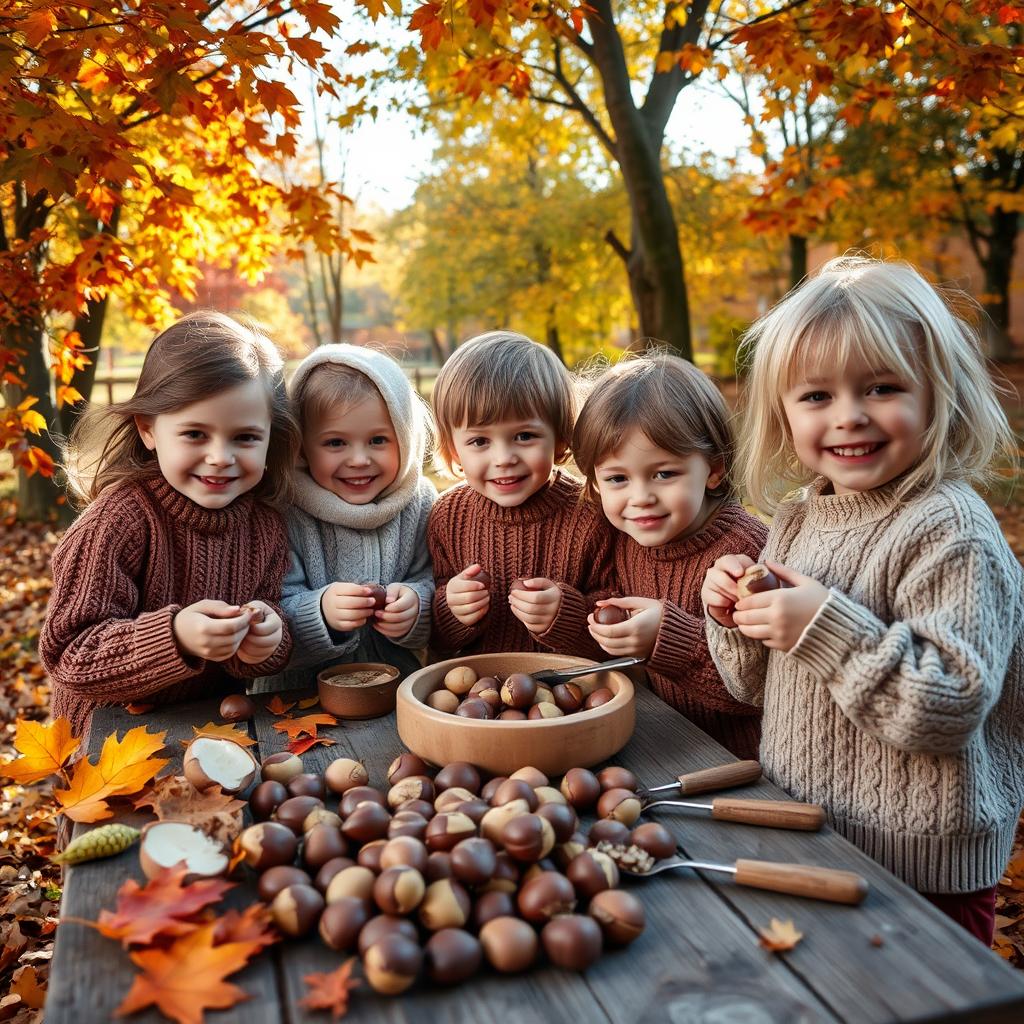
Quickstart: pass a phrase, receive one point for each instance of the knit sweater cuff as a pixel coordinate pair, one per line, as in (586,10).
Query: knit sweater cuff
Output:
(449,634)
(679,635)
(157,650)
(839,626)
(570,625)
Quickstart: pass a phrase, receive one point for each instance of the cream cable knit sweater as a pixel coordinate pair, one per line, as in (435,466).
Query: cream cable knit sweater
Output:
(901,707)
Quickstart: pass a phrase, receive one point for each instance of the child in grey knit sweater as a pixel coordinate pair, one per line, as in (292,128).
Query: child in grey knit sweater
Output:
(359,517)
(890,665)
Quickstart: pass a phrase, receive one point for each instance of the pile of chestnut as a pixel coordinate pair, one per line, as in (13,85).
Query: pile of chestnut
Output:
(517,698)
(435,875)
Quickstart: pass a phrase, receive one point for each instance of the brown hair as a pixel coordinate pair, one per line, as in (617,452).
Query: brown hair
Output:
(198,356)
(673,403)
(499,376)
(331,386)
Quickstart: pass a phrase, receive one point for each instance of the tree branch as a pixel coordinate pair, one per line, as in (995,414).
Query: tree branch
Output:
(618,248)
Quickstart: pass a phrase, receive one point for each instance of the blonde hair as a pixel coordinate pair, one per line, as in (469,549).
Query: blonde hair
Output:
(195,358)
(674,404)
(331,386)
(498,376)
(886,314)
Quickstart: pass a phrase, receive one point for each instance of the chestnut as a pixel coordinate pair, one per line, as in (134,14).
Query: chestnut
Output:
(404,766)
(484,577)
(506,875)
(413,787)
(620,915)
(490,788)
(581,788)
(620,804)
(450,798)
(550,795)
(543,694)
(564,853)
(296,909)
(568,697)
(493,823)
(485,690)
(268,844)
(282,767)
(562,818)
(446,904)
(357,795)
(572,941)
(528,837)
(546,895)
(329,870)
(379,595)
(756,580)
(533,777)
(591,872)
(322,843)
(236,707)
(345,773)
(543,711)
(294,810)
(655,839)
(320,816)
(354,881)
(512,715)
(452,955)
(473,861)
(473,707)
(342,922)
(266,798)
(510,944)
(443,700)
(515,789)
(610,615)
(614,777)
(391,964)
(439,865)
(385,924)
(608,830)
(597,698)
(537,868)
(446,830)
(399,890)
(367,822)
(458,774)
(274,879)
(370,854)
(490,905)
(307,784)
(460,680)
(421,807)
(406,850)
(519,690)
(407,823)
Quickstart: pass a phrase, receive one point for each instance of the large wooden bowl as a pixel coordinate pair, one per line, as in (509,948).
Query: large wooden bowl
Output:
(553,745)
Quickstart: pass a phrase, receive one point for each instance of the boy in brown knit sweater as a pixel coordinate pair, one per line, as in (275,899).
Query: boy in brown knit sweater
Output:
(653,441)
(518,559)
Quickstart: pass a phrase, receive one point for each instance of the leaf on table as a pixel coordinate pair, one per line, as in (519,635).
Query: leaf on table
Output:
(331,991)
(304,743)
(138,709)
(224,732)
(27,988)
(124,767)
(254,924)
(308,702)
(779,936)
(174,798)
(44,750)
(276,706)
(188,977)
(160,907)
(307,724)
(237,855)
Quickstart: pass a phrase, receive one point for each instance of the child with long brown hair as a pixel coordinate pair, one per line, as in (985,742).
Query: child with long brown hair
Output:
(653,441)
(167,586)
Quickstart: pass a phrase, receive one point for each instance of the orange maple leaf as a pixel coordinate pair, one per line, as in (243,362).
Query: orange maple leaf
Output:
(188,977)
(44,750)
(779,936)
(124,767)
(308,702)
(254,924)
(331,991)
(295,727)
(224,732)
(304,743)
(160,907)
(27,988)
(276,706)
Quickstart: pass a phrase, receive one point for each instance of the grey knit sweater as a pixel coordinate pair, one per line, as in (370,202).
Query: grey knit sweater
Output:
(901,707)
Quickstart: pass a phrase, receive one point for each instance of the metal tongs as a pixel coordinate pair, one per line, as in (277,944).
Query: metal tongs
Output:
(551,676)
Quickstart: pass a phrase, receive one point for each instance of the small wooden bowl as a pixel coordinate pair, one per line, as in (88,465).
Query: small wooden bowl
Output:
(553,745)
(349,691)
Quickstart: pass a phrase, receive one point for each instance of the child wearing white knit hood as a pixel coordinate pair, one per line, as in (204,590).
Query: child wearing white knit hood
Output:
(359,517)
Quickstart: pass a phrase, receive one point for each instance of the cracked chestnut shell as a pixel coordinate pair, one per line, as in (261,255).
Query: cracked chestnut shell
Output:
(620,915)
(546,895)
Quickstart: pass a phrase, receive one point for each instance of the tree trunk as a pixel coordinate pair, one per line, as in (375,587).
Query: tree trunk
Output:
(90,329)
(553,339)
(998,268)
(437,345)
(797,259)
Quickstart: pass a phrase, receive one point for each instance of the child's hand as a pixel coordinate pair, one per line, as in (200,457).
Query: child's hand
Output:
(346,606)
(634,638)
(210,629)
(719,595)
(400,612)
(778,617)
(536,603)
(264,636)
(468,599)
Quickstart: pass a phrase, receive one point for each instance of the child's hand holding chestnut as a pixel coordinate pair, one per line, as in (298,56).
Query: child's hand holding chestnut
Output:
(210,629)
(348,606)
(265,633)
(535,603)
(779,617)
(400,612)
(467,594)
(719,593)
(637,635)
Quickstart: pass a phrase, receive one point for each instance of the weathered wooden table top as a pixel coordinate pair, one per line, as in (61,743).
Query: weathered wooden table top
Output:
(894,958)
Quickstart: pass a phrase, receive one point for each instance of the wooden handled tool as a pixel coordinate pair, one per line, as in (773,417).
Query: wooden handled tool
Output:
(550,676)
(768,813)
(722,776)
(830,884)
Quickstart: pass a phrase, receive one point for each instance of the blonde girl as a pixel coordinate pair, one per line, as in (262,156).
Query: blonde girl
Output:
(167,586)
(890,667)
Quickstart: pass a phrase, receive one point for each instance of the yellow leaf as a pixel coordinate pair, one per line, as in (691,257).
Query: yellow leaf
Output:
(38,25)
(665,61)
(67,393)
(224,732)
(45,749)
(780,936)
(27,403)
(31,420)
(883,110)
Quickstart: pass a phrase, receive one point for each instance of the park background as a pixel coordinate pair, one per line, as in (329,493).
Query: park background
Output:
(407,175)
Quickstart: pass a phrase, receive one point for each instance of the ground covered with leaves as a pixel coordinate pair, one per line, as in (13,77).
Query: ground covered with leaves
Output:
(30,884)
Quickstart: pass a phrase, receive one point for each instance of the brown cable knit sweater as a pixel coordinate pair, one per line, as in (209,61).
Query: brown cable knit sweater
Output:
(552,534)
(680,670)
(139,554)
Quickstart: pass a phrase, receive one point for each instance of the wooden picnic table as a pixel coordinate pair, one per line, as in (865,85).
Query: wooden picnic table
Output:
(894,958)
